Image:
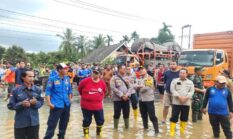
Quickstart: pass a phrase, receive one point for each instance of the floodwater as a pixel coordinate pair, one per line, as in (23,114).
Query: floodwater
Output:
(199,130)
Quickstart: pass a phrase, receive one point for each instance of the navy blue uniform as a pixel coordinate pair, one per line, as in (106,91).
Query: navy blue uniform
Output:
(59,90)
(26,119)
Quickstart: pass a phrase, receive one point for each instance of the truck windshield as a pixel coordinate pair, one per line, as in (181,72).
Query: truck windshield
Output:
(196,58)
(120,60)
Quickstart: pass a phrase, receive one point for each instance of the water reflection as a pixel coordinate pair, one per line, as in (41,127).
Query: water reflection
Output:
(201,129)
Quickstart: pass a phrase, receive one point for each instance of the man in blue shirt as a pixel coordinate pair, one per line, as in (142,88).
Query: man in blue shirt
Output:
(26,100)
(219,101)
(83,72)
(168,77)
(18,73)
(58,96)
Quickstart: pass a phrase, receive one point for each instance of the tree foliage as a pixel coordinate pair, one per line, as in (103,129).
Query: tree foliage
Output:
(14,54)
(164,35)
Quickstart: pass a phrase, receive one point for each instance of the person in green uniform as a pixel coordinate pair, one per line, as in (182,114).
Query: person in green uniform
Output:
(198,94)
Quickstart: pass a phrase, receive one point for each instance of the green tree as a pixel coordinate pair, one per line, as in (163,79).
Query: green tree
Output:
(82,46)
(99,41)
(2,51)
(109,39)
(14,54)
(69,42)
(134,36)
(125,39)
(164,35)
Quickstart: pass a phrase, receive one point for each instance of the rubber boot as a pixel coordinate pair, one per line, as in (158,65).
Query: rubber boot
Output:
(86,132)
(194,116)
(116,122)
(156,127)
(172,128)
(99,130)
(126,123)
(135,113)
(145,123)
(182,127)
(199,116)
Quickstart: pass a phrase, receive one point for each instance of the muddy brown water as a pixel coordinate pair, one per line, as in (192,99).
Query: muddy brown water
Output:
(199,130)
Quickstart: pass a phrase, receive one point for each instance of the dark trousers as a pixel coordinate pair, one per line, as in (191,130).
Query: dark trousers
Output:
(87,117)
(179,110)
(148,108)
(121,105)
(31,132)
(216,120)
(134,100)
(10,88)
(57,114)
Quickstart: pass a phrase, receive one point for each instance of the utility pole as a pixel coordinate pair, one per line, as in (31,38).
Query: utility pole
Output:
(182,35)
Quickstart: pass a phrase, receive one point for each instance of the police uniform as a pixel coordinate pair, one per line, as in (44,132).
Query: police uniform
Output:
(26,119)
(59,90)
(120,88)
(197,99)
(146,102)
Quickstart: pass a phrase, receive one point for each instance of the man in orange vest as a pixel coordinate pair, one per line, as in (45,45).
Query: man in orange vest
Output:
(9,78)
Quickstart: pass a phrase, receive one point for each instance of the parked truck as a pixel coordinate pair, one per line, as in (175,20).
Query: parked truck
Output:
(212,51)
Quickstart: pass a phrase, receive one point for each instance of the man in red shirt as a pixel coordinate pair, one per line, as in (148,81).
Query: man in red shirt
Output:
(92,91)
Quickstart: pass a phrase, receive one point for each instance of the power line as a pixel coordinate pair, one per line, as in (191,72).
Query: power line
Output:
(94,10)
(17,25)
(29,33)
(60,21)
(49,25)
(30,39)
(111,10)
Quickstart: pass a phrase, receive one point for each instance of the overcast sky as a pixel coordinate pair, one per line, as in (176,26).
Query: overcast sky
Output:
(113,17)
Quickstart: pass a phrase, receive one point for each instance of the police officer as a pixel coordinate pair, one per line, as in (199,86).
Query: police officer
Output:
(121,94)
(26,100)
(198,95)
(58,96)
(146,100)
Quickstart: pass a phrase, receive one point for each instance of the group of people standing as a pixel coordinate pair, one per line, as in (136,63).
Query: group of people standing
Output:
(126,86)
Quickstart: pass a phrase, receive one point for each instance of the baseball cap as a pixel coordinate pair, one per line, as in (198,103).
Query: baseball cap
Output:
(221,79)
(62,66)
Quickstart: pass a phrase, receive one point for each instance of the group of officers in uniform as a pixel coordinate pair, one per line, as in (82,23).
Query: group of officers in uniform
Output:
(126,87)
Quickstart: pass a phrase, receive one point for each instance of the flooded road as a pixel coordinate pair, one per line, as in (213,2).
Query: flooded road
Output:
(199,130)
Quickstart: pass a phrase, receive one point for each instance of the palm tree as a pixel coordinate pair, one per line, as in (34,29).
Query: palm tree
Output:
(109,39)
(164,35)
(82,45)
(166,29)
(125,39)
(69,42)
(99,41)
(134,36)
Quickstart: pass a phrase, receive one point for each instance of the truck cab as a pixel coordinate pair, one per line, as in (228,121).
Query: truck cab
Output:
(212,60)
(128,59)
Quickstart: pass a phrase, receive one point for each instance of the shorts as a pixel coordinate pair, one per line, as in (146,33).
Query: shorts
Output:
(161,89)
(167,99)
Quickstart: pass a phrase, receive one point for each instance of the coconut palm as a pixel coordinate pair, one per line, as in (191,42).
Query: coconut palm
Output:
(109,39)
(82,45)
(69,42)
(134,36)
(125,39)
(99,41)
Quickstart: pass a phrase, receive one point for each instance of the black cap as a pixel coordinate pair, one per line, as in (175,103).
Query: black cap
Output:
(141,67)
(196,69)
